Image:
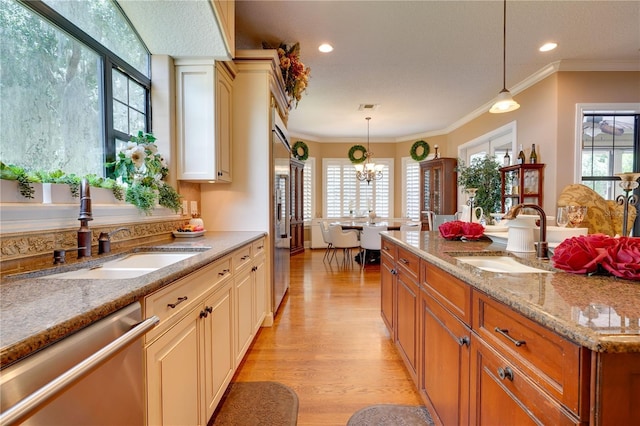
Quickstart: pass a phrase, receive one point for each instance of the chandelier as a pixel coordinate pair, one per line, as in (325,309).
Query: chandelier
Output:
(504,101)
(368,170)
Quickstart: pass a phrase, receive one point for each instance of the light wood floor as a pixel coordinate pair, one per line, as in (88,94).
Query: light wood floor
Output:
(330,344)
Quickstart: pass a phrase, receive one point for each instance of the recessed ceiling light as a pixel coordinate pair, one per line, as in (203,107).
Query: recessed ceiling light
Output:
(548,46)
(325,48)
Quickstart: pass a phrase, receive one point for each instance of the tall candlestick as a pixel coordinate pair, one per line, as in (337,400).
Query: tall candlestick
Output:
(628,182)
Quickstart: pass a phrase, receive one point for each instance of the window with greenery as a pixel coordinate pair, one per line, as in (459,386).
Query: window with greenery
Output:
(344,195)
(610,145)
(75,79)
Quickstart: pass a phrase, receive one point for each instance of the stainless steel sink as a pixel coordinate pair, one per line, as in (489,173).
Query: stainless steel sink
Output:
(130,266)
(505,264)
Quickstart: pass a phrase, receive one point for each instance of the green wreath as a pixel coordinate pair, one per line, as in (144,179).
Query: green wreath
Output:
(296,150)
(414,150)
(353,151)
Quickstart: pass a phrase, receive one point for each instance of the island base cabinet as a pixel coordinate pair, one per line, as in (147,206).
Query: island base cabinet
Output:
(502,395)
(444,372)
(616,388)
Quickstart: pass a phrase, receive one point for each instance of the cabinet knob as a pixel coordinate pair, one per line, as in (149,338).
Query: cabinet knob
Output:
(204,314)
(209,309)
(464,340)
(505,373)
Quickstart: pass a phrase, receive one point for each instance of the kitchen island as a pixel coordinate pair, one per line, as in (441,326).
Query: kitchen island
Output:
(503,348)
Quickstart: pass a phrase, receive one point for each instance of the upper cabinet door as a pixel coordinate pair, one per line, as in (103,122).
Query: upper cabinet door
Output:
(204,92)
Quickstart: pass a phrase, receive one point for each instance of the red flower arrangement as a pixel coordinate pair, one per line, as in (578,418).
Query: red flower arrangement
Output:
(294,73)
(457,229)
(598,253)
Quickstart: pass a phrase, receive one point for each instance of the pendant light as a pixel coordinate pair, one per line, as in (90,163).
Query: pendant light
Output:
(368,170)
(504,101)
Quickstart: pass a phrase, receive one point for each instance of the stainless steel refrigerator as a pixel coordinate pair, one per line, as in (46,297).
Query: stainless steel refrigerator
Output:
(280,155)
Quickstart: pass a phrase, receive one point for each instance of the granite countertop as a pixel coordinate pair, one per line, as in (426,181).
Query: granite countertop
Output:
(600,313)
(36,311)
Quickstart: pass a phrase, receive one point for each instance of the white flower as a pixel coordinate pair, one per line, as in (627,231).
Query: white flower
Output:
(152,148)
(138,155)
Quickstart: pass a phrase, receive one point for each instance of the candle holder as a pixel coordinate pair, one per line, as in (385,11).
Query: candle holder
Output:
(472,197)
(628,182)
(436,155)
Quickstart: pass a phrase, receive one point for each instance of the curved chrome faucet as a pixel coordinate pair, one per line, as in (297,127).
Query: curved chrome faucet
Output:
(542,251)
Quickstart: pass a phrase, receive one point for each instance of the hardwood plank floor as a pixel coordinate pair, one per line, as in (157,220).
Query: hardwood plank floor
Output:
(330,344)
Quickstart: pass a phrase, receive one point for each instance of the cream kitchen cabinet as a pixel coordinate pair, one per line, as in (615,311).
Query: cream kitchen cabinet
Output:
(204,95)
(189,358)
(208,320)
(250,295)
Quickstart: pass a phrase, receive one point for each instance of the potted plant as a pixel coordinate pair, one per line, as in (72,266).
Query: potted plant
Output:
(105,190)
(19,185)
(142,169)
(484,174)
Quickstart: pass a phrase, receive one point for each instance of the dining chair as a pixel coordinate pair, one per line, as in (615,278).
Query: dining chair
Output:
(411,226)
(345,240)
(326,237)
(370,240)
(429,214)
(439,219)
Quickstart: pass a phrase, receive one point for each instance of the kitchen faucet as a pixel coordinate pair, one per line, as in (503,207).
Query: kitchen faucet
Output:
(104,240)
(84,233)
(543,247)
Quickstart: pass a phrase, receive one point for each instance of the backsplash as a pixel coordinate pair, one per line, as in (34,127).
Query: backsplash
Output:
(28,251)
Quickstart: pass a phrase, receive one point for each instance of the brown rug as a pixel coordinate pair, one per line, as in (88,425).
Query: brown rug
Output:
(391,415)
(257,403)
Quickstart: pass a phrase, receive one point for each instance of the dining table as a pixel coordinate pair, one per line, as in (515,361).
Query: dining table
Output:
(351,224)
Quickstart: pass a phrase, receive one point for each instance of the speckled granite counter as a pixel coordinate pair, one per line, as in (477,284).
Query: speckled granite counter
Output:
(599,313)
(36,311)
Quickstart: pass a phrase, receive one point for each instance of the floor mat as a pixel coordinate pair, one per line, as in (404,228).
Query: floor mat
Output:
(257,403)
(391,415)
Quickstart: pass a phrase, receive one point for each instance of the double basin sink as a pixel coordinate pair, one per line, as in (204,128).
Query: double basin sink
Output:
(129,266)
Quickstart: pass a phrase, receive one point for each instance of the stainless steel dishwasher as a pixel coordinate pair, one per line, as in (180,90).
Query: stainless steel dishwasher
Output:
(93,377)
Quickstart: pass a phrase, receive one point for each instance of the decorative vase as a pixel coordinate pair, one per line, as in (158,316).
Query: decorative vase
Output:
(9,192)
(372,215)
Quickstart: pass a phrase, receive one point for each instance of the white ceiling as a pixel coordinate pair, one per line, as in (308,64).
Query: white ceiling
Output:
(430,64)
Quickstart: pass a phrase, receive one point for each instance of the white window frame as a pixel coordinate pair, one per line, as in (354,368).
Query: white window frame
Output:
(310,173)
(406,161)
(488,142)
(581,109)
(343,161)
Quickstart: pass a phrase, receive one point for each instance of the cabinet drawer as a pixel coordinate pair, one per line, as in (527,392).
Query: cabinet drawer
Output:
(241,257)
(257,247)
(501,394)
(451,292)
(551,361)
(388,249)
(173,300)
(409,262)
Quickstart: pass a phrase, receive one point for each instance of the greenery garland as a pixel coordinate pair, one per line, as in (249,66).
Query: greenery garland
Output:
(353,151)
(414,150)
(296,150)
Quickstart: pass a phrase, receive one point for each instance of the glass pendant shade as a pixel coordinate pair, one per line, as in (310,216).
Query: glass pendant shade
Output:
(504,103)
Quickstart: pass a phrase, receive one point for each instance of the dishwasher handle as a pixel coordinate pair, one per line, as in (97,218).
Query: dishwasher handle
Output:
(32,402)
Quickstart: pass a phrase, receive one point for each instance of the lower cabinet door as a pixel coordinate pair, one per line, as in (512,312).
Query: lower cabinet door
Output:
(444,373)
(502,395)
(260,293)
(387,284)
(173,382)
(244,312)
(218,346)
(407,297)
